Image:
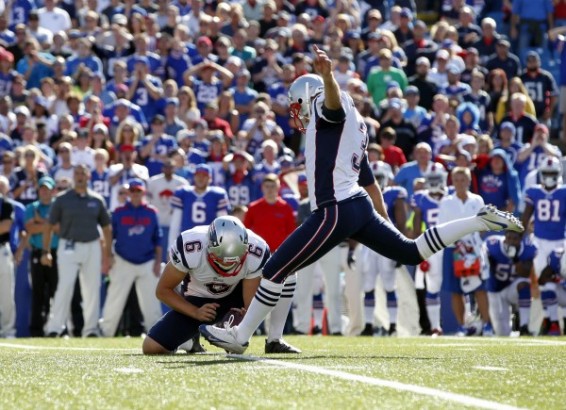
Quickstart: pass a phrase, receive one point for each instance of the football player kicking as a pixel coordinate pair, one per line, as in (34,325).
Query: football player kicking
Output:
(221,267)
(510,263)
(340,180)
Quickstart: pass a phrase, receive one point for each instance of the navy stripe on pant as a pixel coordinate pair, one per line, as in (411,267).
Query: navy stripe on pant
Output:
(327,227)
(174,328)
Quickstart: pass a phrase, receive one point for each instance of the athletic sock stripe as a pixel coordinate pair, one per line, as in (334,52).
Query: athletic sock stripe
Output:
(286,296)
(431,236)
(428,242)
(438,237)
(269,292)
(264,296)
(259,299)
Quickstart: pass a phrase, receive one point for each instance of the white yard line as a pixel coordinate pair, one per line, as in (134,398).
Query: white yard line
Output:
(491,368)
(517,340)
(412,388)
(79,349)
(425,391)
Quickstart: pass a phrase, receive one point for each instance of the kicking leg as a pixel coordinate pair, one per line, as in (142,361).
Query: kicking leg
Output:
(314,238)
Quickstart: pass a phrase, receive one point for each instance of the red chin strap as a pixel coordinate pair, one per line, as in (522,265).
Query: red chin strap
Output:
(295,113)
(214,262)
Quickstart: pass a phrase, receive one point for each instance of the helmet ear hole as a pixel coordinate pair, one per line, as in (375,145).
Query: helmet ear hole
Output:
(300,100)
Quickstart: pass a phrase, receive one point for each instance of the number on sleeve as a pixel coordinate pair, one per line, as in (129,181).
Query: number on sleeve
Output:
(193,246)
(255,250)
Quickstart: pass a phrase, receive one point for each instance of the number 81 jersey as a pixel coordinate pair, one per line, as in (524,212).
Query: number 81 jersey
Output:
(189,255)
(549,211)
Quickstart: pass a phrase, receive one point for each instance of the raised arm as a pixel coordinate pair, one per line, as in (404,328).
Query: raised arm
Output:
(323,65)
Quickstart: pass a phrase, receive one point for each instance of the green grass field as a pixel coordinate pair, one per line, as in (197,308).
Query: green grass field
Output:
(332,373)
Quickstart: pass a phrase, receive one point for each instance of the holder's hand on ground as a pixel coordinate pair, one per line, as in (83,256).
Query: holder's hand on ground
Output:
(322,63)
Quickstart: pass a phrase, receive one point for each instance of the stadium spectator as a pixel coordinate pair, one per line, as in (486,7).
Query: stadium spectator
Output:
(379,78)
(529,23)
(78,212)
(126,169)
(541,87)
(504,59)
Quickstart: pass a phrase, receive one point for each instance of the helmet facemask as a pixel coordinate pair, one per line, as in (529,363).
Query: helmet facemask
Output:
(301,94)
(227,246)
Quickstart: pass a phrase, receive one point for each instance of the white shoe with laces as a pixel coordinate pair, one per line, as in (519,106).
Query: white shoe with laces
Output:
(496,220)
(224,338)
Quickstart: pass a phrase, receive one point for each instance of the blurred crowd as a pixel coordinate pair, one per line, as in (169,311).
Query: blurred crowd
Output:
(190,97)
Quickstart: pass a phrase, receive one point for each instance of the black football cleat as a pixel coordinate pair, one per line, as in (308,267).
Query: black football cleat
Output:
(197,346)
(280,346)
(524,331)
(545,327)
(368,330)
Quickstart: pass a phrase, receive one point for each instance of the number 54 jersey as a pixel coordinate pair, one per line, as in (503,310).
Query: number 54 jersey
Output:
(549,211)
(189,254)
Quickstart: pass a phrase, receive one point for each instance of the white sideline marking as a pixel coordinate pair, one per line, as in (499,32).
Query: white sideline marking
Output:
(524,341)
(128,370)
(80,349)
(426,391)
(491,368)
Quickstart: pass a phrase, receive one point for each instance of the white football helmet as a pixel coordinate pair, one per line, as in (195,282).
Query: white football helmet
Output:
(550,171)
(301,93)
(435,179)
(382,173)
(227,245)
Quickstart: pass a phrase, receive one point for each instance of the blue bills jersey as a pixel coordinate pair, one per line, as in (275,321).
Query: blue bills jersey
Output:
(390,195)
(200,209)
(549,211)
(243,192)
(502,267)
(100,183)
(428,206)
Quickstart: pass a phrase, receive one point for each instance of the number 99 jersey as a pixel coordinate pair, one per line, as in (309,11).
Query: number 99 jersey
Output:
(189,255)
(549,211)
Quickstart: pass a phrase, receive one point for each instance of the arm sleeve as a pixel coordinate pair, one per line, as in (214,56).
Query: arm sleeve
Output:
(7,211)
(103,216)
(29,214)
(366,176)
(331,116)
(55,212)
(175,225)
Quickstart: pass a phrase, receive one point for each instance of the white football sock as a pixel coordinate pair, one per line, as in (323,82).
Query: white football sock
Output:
(524,315)
(264,301)
(439,237)
(434,315)
(368,314)
(281,311)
